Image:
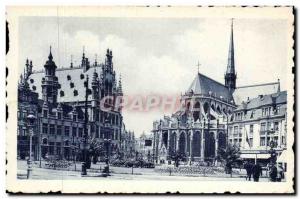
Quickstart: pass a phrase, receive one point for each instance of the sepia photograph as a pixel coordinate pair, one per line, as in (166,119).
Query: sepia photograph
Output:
(150,99)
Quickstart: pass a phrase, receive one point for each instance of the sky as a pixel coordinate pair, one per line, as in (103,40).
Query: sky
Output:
(160,55)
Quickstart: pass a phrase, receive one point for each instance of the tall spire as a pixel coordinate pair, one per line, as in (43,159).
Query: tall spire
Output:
(230,64)
(230,76)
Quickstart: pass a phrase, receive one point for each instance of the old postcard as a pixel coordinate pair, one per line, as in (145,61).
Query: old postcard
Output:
(150,99)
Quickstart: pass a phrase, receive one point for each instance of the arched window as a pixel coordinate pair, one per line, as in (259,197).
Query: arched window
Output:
(165,138)
(196,110)
(173,149)
(218,110)
(209,145)
(206,107)
(222,140)
(182,144)
(213,107)
(196,144)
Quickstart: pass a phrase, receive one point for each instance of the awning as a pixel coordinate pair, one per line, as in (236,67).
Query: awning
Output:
(255,156)
(282,157)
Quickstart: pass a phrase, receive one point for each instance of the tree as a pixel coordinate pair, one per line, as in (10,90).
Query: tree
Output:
(96,147)
(229,156)
(176,157)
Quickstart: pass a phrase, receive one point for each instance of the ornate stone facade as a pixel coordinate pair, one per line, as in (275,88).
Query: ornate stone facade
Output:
(60,124)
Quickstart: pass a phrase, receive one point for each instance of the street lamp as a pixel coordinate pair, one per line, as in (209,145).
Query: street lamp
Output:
(85,147)
(31,122)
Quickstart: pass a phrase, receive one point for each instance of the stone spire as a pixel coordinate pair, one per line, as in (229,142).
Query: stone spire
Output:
(230,76)
(120,89)
(230,64)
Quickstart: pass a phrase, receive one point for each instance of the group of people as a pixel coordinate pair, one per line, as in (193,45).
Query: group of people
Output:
(255,171)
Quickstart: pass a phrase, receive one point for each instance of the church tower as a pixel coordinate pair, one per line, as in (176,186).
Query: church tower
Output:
(230,76)
(50,83)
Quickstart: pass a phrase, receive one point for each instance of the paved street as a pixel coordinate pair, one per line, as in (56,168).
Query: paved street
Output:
(117,173)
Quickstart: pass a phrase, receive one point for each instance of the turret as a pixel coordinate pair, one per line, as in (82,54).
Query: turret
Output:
(50,81)
(85,64)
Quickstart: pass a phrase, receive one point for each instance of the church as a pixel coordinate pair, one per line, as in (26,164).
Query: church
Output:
(208,111)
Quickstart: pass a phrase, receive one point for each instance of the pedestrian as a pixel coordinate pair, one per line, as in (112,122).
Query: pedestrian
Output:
(280,171)
(256,171)
(248,167)
(273,173)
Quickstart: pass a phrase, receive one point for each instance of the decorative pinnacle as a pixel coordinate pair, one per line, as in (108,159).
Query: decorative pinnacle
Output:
(83,51)
(50,57)
(71,61)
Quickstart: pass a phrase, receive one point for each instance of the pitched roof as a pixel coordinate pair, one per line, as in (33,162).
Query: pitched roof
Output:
(243,93)
(71,81)
(263,100)
(203,85)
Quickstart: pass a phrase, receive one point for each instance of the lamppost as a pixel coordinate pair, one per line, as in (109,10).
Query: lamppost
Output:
(31,122)
(84,162)
(107,142)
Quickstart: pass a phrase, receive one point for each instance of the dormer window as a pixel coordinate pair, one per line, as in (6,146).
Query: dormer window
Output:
(68,77)
(75,92)
(74,117)
(59,115)
(72,85)
(62,93)
(45,113)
